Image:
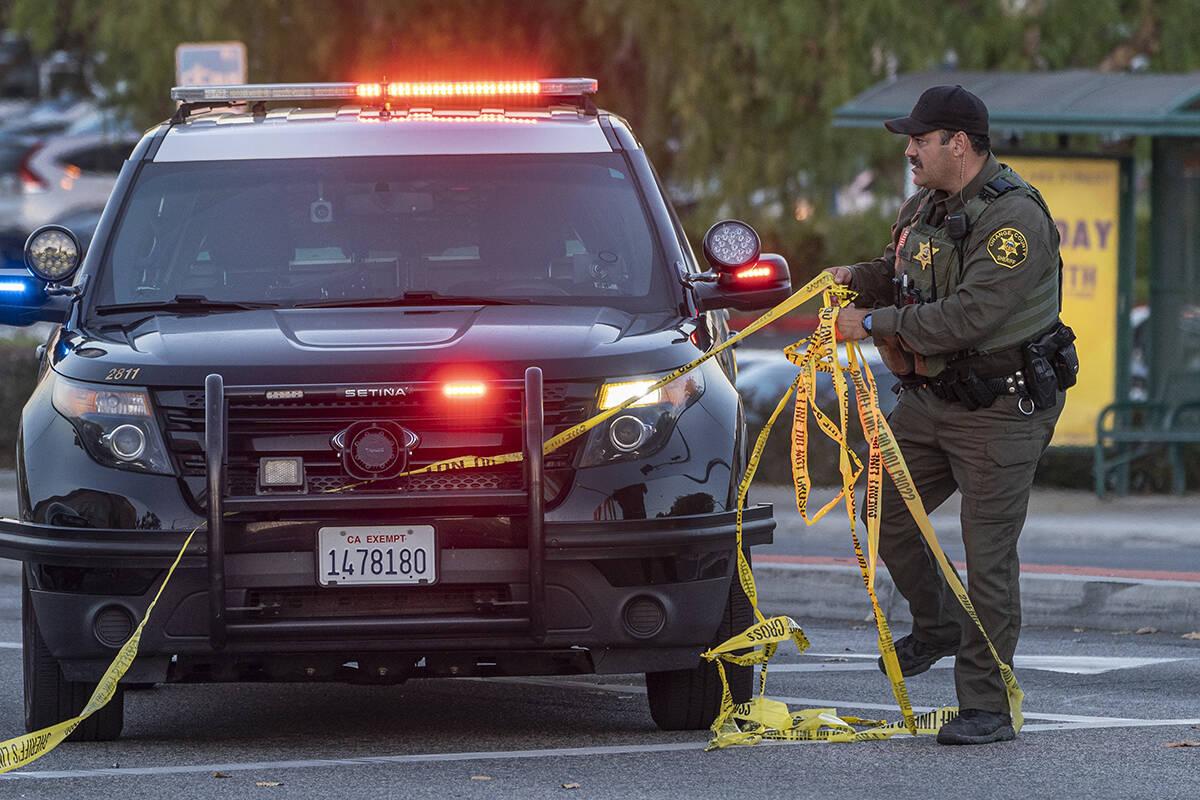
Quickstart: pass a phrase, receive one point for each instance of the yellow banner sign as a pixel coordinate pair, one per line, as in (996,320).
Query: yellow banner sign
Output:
(1085,200)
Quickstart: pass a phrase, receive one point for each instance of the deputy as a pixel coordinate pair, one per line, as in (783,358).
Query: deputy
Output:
(963,306)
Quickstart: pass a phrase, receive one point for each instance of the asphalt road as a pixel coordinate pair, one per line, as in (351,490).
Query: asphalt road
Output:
(1101,710)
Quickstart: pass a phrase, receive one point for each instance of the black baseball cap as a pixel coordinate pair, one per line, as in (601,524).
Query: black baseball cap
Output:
(950,108)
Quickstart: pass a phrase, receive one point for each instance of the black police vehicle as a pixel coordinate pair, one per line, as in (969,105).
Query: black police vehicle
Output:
(298,296)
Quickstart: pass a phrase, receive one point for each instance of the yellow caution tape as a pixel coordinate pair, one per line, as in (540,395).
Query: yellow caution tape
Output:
(21,750)
(761,718)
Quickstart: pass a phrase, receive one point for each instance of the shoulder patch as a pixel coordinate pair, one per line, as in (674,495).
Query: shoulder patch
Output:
(1008,247)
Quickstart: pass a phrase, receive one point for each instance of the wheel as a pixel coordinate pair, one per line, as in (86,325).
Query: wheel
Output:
(49,698)
(689,699)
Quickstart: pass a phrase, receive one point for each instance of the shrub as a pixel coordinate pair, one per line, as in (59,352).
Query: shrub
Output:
(18,374)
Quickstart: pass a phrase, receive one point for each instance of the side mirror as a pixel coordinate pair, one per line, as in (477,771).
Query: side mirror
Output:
(52,255)
(746,279)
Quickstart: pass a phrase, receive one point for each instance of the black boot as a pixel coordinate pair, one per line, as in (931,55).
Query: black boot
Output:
(916,656)
(975,726)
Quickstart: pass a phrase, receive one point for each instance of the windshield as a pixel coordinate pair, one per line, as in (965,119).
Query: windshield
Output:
(564,229)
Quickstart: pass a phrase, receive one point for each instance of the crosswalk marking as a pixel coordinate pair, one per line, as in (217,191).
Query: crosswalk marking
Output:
(1071,665)
(1055,722)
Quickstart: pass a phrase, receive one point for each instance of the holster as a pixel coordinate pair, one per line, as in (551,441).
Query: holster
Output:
(1050,364)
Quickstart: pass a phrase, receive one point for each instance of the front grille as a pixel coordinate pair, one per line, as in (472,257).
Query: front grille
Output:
(305,427)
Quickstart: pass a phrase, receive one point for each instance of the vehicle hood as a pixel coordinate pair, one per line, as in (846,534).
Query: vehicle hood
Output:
(374,345)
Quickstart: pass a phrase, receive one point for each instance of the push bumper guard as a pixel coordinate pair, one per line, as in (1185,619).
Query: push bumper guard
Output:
(548,541)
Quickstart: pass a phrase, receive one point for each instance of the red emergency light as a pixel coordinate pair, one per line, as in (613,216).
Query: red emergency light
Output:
(464,390)
(754,272)
(540,91)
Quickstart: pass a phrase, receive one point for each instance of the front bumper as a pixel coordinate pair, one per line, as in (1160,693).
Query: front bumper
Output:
(542,595)
(596,575)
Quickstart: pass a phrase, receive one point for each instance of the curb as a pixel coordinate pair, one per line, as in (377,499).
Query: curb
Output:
(822,588)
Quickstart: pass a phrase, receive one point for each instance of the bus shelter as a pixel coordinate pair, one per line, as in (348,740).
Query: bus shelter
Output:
(1090,190)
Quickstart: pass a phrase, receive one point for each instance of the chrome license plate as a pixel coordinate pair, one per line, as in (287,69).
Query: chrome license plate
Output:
(364,555)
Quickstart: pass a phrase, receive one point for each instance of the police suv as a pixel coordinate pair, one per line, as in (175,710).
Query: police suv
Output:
(332,328)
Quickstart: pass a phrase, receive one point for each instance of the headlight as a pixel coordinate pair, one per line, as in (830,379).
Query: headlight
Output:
(116,426)
(646,425)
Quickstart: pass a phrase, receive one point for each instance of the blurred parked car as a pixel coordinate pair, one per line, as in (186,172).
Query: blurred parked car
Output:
(66,179)
(27,124)
(70,174)
(764,374)
(46,117)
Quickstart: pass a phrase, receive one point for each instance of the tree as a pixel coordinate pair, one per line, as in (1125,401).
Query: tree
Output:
(733,100)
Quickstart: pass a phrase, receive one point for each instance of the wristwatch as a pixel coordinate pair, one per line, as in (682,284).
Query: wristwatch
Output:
(866,323)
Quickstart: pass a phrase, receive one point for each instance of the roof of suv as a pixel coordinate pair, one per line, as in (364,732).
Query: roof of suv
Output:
(421,126)
(308,135)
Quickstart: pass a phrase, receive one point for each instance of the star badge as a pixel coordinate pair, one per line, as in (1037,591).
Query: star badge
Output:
(925,254)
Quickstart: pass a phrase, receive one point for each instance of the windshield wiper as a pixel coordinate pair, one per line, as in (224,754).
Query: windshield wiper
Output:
(185,302)
(414,298)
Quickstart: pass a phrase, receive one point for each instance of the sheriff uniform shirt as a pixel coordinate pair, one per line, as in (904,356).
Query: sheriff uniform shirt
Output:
(988,292)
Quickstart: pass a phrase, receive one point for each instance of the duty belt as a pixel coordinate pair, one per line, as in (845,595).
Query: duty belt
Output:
(952,389)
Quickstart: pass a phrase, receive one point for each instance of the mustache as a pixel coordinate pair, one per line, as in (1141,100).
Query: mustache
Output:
(916,162)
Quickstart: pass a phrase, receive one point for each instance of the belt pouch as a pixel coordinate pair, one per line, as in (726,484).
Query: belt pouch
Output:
(977,388)
(1066,366)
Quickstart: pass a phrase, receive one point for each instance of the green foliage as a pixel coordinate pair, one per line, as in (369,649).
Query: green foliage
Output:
(18,375)
(733,101)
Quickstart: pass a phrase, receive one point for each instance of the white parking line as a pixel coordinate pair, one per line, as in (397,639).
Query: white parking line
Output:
(1072,720)
(10,645)
(1053,722)
(274,766)
(1071,665)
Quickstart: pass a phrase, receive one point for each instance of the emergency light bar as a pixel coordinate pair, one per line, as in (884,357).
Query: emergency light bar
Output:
(254,92)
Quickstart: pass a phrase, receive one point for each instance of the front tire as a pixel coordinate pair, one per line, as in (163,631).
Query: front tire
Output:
(50,698)
(690,699)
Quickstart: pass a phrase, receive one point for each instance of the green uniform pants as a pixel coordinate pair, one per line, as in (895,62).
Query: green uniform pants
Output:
(989,455)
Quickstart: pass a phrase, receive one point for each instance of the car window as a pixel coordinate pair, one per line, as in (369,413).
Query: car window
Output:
(566,229)
(104,158)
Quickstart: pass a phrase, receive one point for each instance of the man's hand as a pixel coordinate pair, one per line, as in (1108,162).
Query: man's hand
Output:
(841,275)
(849,322)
